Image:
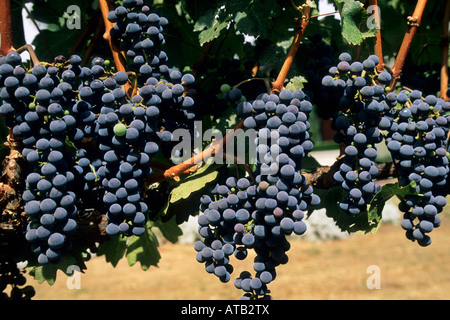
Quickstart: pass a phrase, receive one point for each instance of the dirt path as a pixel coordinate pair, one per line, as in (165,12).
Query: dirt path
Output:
(329,270)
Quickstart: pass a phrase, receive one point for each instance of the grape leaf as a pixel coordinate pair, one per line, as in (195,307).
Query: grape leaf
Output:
(257,18)
(311,4)
(195,182)
(368,221)
(352,15)
(143,249)
(114,249)
(330,199)
(169,229)
(185,201)
(309,164)
(48,272)
(206,21)
(296,83)
(211,25)
(389,190)
(227,120)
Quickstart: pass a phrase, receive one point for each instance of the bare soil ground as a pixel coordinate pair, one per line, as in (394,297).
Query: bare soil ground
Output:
(319,271)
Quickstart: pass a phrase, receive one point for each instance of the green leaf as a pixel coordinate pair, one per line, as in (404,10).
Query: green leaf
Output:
(212,33)
(330,199)
(57,39)
(211,24)
(70,146)
(51,42)
(311,4)
(296,83)
(193,183)
(352,15)
(143,249)
(169,229)
(368,221)
(389,190)
(227,120)
(48,272)
(206,21)
(257,18)
(310,163)
(187,200)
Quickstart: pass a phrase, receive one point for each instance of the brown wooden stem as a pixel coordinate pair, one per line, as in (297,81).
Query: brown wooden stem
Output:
(378,42)
(322,177)
(413,24)
(6,32)
(31,52)
(278,84)
(196,160)
(119,59)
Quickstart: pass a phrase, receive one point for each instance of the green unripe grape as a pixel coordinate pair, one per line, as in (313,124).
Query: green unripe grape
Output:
(32,106)
(225,88)
(107,63)
(120,129)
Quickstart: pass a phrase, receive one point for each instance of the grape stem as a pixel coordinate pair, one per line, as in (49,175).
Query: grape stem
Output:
(413,24)
(191,164)
(278,84)
(118,57)
(6,27)
(444,52)
(378,42)
(30,50)
(322,177)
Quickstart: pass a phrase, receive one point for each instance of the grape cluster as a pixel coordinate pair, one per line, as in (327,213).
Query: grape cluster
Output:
(38,106)
(88,141)
(417,141)
(359,119)
(11,275)
(242,214)
(139,33)
(415,129)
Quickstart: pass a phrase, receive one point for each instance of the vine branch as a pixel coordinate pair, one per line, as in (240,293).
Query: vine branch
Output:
(278,84)
(187,166)
(5,27)
(119,59)
(413,24)
(31,52)
(378,41)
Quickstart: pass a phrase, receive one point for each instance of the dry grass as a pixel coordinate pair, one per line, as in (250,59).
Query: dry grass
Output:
(318,271)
